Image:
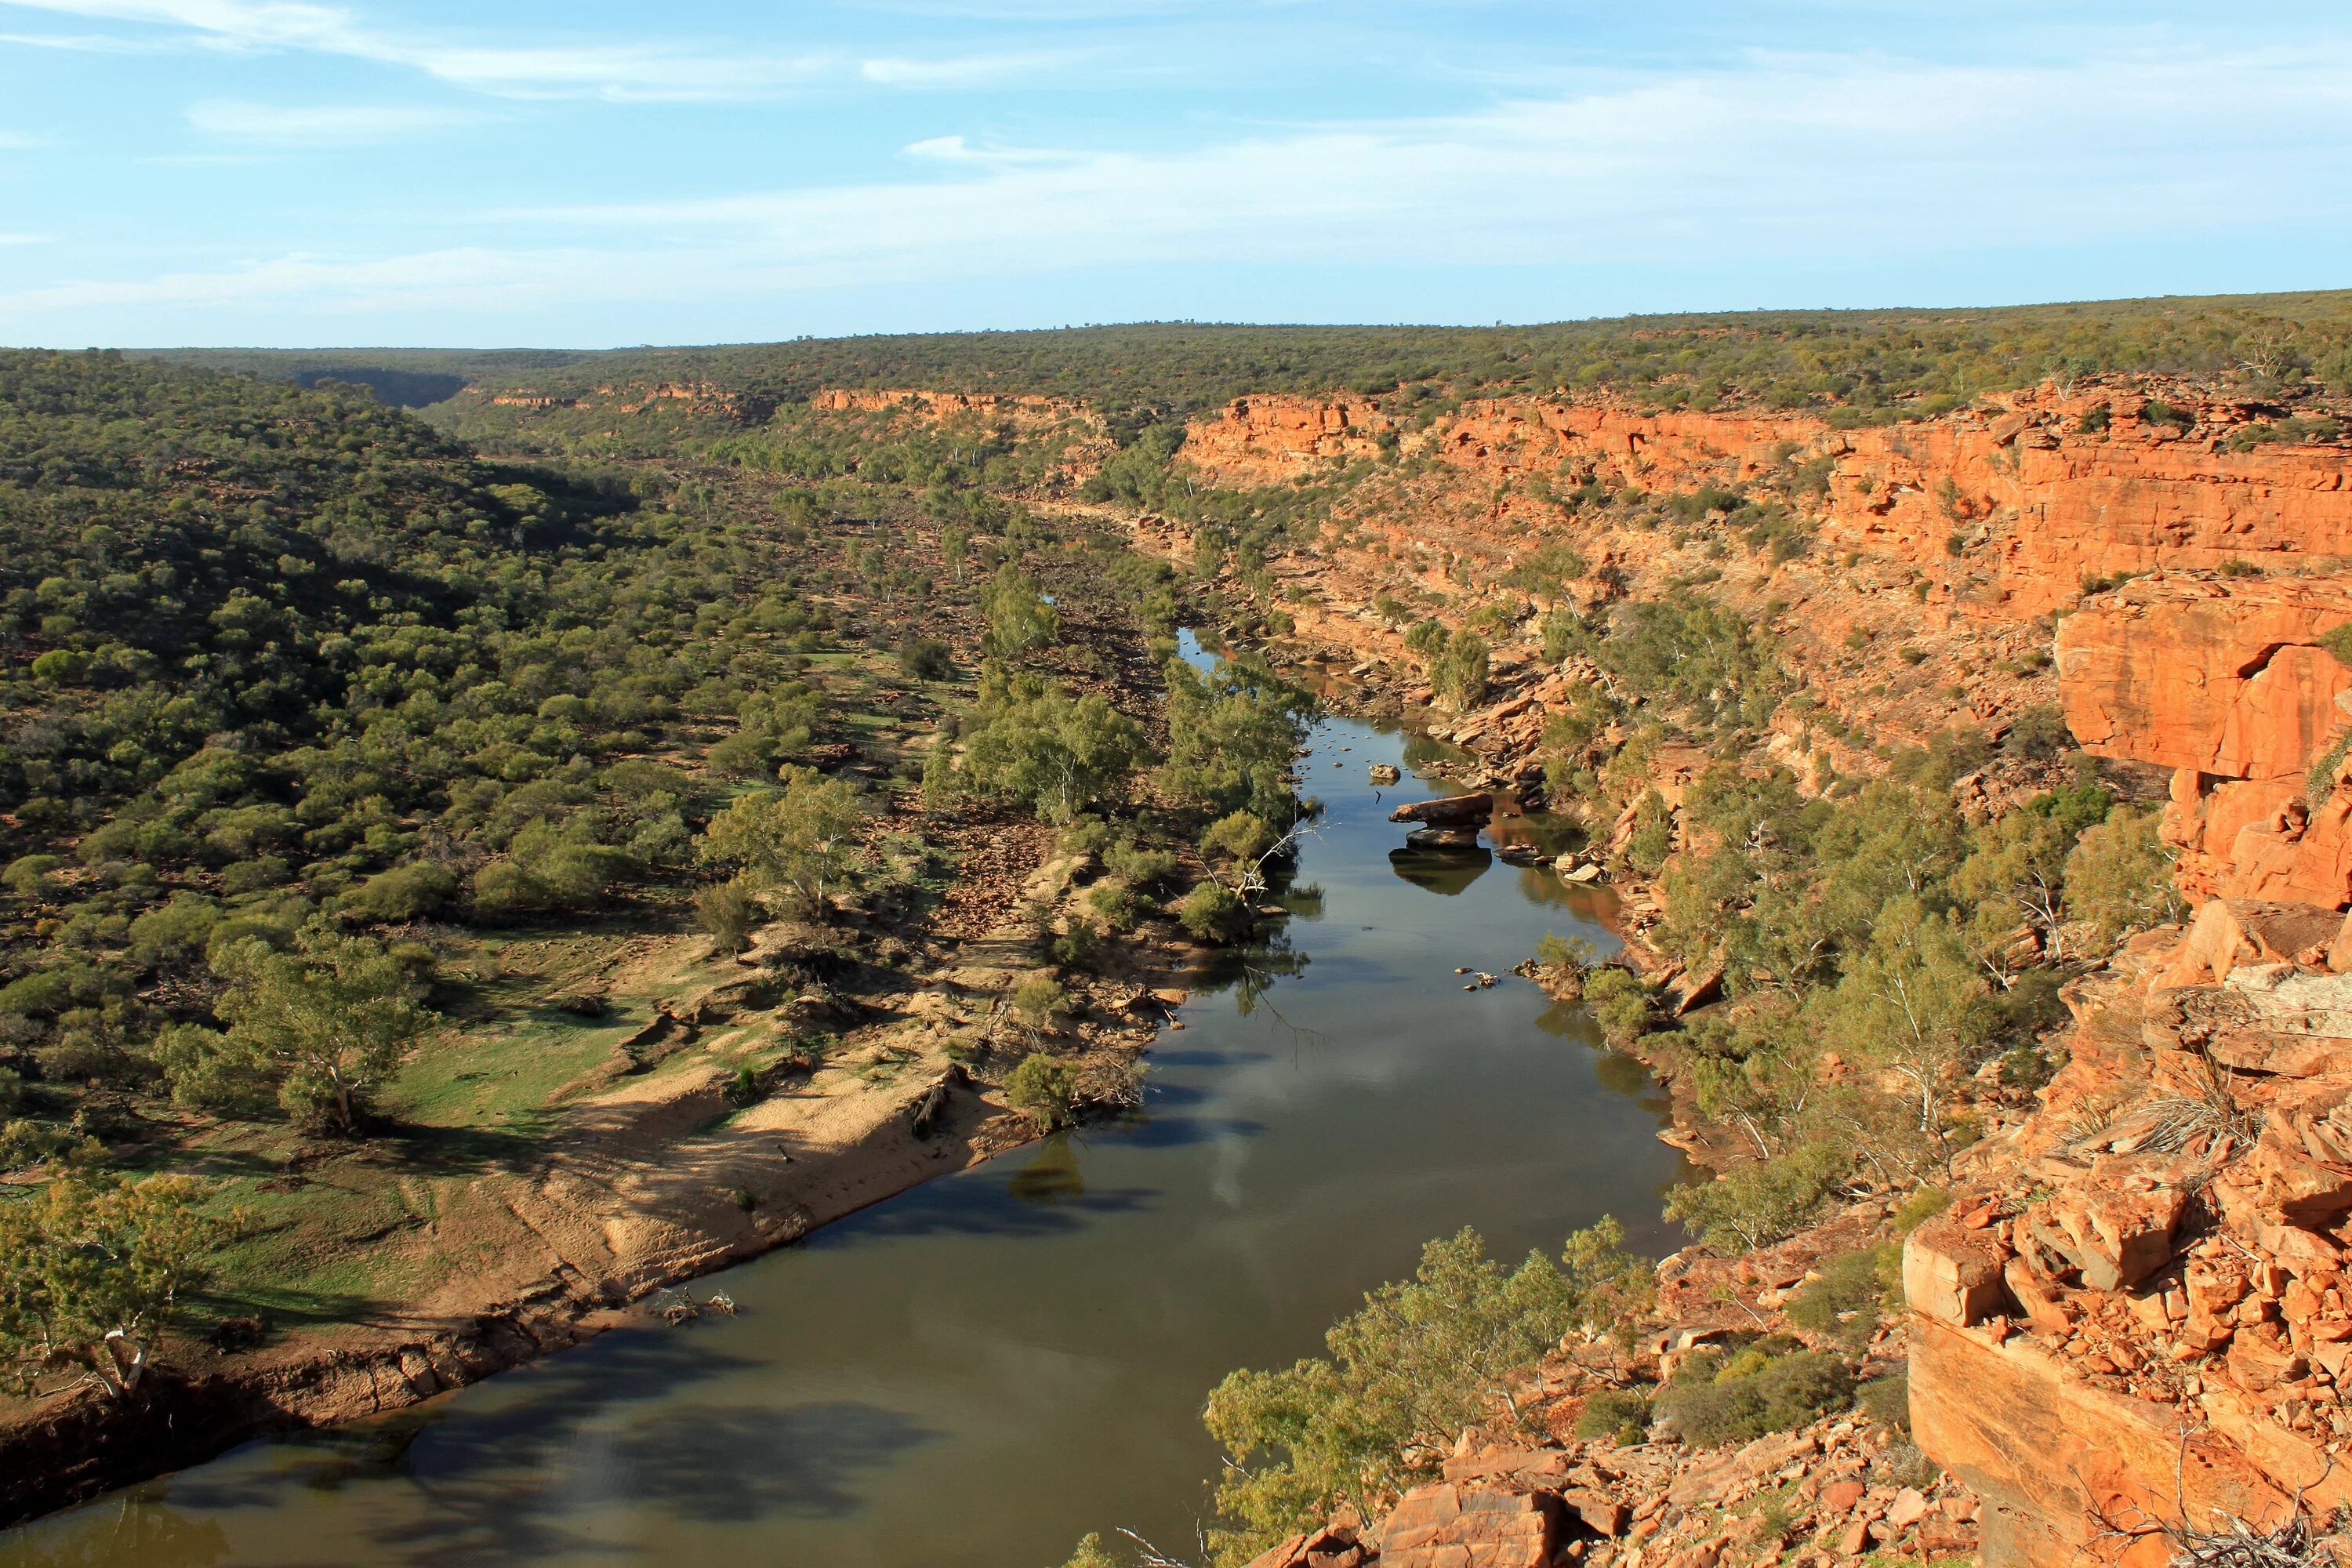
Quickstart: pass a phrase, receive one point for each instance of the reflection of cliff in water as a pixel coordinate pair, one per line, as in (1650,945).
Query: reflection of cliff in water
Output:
(1447,871)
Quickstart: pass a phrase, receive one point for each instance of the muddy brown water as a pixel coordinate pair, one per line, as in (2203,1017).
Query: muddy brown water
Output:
(981,1369)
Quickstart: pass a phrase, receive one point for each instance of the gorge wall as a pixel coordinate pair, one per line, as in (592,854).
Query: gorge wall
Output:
(2008,513)
(2118,1335)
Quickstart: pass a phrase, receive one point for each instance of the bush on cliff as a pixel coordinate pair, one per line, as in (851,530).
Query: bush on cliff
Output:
(1754,1205)
(1768,1386)
(2119,874)
(1424,1358)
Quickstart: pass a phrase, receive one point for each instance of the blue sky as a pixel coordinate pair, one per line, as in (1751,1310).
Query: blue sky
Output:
(291,173)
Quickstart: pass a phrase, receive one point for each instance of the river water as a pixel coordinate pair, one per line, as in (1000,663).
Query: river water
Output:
(982,1369)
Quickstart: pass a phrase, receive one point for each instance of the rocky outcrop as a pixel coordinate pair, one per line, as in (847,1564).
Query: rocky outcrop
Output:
(2229,683)
(2148,1320)
(2029,501)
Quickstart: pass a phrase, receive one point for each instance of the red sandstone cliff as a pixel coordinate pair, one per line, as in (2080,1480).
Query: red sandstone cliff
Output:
(2035,504)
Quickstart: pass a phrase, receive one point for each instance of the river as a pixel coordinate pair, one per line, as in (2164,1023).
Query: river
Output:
(981,1369)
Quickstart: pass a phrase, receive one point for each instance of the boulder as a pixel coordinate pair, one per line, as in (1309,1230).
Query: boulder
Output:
(1333,1546)
(1448,1526)
(1441,839)
(1951,1273)
(2229,934)
(2116,1236)
(1448,811)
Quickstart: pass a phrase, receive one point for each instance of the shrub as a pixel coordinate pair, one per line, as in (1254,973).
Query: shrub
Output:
(402,893)
(175,931)
(1620,1004)
(1887,1401)
(1044,1090)
(1652,838)
(1861,1283)
(31,875)
(729,910)
(1766,1387)
(2119,874)
(926,658)
(1213,912)
(1422,1359)
(1148,870)
(1039,1000)
(1122,909)
(1920,1207)
(1622,1414)
(1754,1205)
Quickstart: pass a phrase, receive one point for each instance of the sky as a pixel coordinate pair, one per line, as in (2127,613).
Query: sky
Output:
(591,173)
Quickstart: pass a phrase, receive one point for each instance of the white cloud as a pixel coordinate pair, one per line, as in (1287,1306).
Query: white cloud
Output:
(1819,158)
(957,149)
(28,239)
(336,124)
(967,70)
(631,71)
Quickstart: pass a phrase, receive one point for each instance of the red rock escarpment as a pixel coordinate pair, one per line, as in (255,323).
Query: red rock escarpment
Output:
(2226,682)
(2033,502)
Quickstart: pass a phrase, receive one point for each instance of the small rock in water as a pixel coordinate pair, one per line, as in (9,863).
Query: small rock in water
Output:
(1461,969)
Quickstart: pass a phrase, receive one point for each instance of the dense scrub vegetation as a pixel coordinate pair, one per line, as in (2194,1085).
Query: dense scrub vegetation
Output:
(310,709)
(1865,361)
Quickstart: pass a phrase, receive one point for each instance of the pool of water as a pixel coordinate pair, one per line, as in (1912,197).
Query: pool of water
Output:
(984,1368)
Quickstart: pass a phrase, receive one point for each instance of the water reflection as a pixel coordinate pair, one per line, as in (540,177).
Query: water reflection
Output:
(1447,871)
(983,1368)
(123,1531)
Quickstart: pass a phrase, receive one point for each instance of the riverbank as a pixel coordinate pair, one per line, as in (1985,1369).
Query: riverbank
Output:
(668,1172)
(895,1387)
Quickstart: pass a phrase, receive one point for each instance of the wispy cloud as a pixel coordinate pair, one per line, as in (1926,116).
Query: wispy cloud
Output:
(957,149)
(1824,159)
(634,69)
(315,125)
(969,71)
(27,238)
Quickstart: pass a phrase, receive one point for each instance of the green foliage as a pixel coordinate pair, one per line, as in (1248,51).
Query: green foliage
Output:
(1851,1296)
(803,838)
(1854,366)
(926,658)
(1701,659)
(1232,734)
(1142,867)
(1622,1004)
(328,1021)
(1214,912)
(1092,1553)
(1770,1387)
(1422,1359)
(1021,620)
(93,1271)
(1652,838)
(1887,1401)
(402,893)
(1912,1001)
(1622,1414)
(2119,874)
(1044,1089)
(1758,1203)
(1030,742)
(729,911)
(1460,674)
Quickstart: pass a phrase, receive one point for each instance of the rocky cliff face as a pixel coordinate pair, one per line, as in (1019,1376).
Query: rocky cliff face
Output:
(2227,682)
(2008,513)
(2136,1313)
